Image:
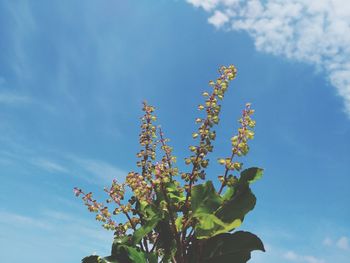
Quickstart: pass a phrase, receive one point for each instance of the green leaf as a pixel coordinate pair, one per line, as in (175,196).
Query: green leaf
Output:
(97,259)
(209,225)
(176,198)
(173,192)
(148,210)
(126,254)
(238,199)
(238,206)
(109,259)
(228,193)
(227,248)
(90,259)
(135,255)
(145,229)
(117,249)
(251,175)
(151,217)
(204,198)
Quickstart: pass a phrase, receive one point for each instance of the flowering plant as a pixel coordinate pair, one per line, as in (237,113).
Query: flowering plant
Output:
(168,219)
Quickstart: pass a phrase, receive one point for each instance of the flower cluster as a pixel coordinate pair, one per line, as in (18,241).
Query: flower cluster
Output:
(147,141)
(141,189)
(205,133)
(245,133)
(240,146)
(168,157)
(102,211)
(161,174)
(116,192)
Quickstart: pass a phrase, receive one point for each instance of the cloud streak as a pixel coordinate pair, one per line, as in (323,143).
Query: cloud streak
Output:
(316,32)
(49,165)
(341,243)
(53,230)
(294,257)
(101,171)
(16,219)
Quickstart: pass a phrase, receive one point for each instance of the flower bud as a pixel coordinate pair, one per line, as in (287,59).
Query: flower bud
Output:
(222,161)
(204,163)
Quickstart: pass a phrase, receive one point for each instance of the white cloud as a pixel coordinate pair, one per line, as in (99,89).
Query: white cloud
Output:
(15,219)
(218,19)
(49,165)
(54,229)
(294,257)
(327,242)
(205,4)
(290,255)
(101,171)
(315,31)
(343,243)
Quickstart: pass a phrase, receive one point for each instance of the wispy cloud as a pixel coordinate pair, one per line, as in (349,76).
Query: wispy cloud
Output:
(327,242)
(25,26)
(294,257)
(49,165)
(316,32)
(95,171)
(101,171)
(341,243)
(15,219)
(55,230)
(48,220)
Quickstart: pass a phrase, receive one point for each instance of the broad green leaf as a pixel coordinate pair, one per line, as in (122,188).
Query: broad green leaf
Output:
(227,248)
(126,254)
(147,210)
(171,187)
(209,225)
(117,249)
(109,259)
(176,198)
(135,255)
(229,193)
(173,192)
(90,259)
(204,198)
(251,175)
(238,206)
(97,259)
(145,229)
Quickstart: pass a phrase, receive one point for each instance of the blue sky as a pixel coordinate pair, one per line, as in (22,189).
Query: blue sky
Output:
(73,75)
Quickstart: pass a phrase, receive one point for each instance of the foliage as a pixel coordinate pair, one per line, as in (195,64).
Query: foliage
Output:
(172,219)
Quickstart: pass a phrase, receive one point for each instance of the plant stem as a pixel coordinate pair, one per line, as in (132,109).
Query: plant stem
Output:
(134,228)
(192,177)
(234,151)
(173,225)
(225,175)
